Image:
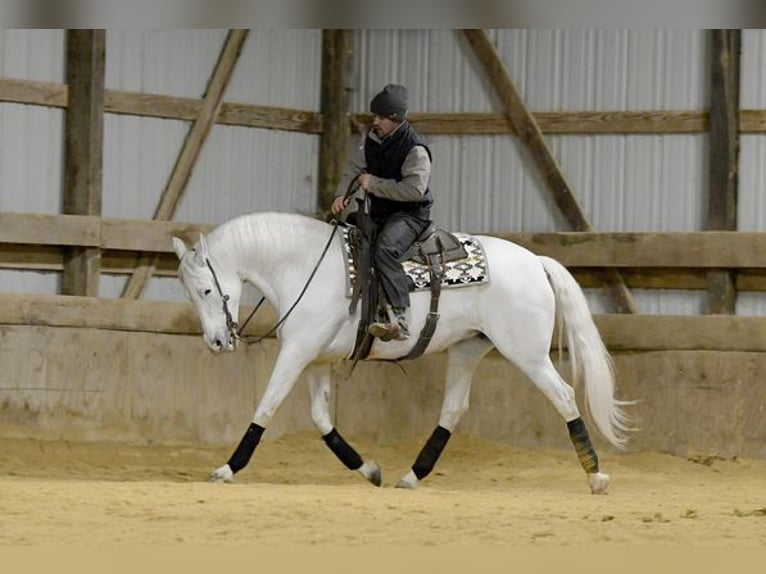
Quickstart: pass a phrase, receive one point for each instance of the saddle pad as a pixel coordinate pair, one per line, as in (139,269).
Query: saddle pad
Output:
(459,273)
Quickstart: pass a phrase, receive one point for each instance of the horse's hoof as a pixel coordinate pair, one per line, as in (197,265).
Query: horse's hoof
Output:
(371,471)
(599,482)
(409,481)
(222,474)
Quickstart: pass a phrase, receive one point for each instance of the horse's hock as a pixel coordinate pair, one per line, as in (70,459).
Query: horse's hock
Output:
(103,381)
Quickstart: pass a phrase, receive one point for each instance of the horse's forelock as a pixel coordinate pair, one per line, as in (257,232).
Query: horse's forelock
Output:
(190,267)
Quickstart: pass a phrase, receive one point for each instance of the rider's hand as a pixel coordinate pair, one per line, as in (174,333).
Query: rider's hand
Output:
(339,204)
(365,180)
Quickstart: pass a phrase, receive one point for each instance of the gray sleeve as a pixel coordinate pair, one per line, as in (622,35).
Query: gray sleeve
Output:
(416,174)
(354,166)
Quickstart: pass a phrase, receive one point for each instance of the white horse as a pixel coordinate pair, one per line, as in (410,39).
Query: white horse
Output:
(515,313)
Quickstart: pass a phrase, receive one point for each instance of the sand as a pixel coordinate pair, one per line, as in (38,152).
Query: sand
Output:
(294,491)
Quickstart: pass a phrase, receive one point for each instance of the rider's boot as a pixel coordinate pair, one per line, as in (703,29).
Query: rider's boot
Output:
(396,328)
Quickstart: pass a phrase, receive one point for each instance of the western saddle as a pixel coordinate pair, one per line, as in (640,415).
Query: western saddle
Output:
(434,248)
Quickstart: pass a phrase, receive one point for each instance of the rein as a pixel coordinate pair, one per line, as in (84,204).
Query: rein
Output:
(231,324)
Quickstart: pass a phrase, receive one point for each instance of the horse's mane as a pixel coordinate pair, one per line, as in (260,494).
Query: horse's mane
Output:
(283,231)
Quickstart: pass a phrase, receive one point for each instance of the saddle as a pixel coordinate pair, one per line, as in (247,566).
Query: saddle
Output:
(434,248)
(435,241)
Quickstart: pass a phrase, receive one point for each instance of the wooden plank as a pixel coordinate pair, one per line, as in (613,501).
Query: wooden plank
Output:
(148,236)
(83,144)
(92,312)
(688,279)
(31,257)
(336,57)
(50,259)
(723,159)
(622,122)
(621,333)
(672,250)
(561,123)
(667,249)
(42,229)
(52,94)
(115,314)
(530,135)
(682,333)
(234,114)
(152,105)
(93,231)
(752,121)
(49,94)
(270,117)
(123,263)
(190,151)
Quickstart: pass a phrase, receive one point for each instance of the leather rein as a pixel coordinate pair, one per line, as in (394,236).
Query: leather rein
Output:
(234,330)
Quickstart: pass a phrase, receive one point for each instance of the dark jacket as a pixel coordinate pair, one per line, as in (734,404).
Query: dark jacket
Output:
(384,159)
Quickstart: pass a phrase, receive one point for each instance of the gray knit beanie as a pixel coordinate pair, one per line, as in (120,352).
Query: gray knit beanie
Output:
(391,103)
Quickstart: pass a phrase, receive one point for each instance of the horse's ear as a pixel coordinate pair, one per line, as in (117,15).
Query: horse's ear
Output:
(203,247)
(179,246)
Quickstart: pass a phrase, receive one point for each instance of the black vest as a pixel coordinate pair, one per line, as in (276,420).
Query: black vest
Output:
(385,159)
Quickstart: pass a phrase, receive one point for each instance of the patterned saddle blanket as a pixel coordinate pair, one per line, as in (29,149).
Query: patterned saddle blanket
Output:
(459,273)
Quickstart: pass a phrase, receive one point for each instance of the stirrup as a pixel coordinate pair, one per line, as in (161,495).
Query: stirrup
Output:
(387,332)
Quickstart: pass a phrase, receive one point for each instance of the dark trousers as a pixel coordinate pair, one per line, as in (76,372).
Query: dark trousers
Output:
(395,236)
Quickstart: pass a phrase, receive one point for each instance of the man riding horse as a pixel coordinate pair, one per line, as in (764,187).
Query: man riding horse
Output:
(393,167)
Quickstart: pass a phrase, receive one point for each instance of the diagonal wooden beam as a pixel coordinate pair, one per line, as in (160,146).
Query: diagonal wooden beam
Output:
(211,106)
(528,131)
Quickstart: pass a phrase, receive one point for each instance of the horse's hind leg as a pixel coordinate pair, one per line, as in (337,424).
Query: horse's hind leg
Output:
(318,378)
(547,379)
(462,360)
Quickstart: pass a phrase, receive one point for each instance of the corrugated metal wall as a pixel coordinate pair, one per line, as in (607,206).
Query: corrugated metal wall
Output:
(751,212)
(31,138)
(481,183)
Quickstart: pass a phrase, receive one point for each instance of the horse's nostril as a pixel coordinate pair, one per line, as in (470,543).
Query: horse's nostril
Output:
(217,344)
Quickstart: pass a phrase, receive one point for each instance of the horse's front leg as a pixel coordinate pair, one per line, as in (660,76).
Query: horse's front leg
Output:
(462,360)
(318,377)
(289,364)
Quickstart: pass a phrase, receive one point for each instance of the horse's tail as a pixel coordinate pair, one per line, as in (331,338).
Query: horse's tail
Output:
(589,357)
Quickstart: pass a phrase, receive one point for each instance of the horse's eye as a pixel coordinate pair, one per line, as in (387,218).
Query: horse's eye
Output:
(207,292)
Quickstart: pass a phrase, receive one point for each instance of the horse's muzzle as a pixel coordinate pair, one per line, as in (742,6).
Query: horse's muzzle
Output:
(222,345)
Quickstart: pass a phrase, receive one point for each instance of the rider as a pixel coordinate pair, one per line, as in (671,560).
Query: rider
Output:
(394,169)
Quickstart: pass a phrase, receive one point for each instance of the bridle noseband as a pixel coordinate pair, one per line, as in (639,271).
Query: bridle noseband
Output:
(231,324)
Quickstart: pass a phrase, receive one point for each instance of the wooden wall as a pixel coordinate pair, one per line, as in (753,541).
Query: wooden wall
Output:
(82,368)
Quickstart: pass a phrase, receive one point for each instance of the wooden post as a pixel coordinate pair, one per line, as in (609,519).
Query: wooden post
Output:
(723,159)
(336,56)
(211,105)
(83,144)
(528,131)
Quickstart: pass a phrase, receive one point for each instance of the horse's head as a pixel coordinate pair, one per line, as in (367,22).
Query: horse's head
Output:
(215,291)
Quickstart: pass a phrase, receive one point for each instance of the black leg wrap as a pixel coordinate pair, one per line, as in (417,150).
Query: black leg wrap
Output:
(433,448)
(344,451)
(246,447)
(583,447)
